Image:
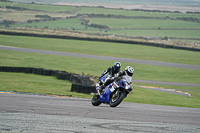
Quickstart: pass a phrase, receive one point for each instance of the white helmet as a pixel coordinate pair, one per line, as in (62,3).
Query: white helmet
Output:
(129,70)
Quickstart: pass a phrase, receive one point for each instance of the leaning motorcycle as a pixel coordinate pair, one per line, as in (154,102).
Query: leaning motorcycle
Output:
(114,93)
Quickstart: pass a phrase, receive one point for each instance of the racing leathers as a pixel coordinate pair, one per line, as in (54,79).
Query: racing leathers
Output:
(111,79)
(112,72)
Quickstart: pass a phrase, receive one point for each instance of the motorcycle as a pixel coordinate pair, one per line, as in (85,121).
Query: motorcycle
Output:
(114,93)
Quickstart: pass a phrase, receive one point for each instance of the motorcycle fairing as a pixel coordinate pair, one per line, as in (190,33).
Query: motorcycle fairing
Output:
(105,98)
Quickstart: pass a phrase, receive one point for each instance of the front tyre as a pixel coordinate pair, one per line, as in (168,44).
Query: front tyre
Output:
(95,100)
(117,99)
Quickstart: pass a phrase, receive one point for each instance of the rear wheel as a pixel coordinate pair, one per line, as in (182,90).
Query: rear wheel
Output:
(95,100)
(117,98)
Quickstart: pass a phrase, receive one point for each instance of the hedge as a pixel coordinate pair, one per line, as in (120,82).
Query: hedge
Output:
(101,39)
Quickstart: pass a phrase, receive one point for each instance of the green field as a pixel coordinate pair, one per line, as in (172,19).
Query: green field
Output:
(105,49)
(40,7)
(120,21)
(115,23)
(130,23)
(95,68)
(144,23)
(51,86)
(36,84)
(138,27)
(106,11)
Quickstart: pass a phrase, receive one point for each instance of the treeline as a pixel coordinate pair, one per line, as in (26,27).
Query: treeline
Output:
(17,8)
(7,23)
(164,11)
(86,22)
(191,19)
(193,12)
(42,16)
(5,0)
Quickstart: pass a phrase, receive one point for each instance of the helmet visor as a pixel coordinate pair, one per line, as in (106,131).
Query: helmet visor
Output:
(117,66)
(130,74)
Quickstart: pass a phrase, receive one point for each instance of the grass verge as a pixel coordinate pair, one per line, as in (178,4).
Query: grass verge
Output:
(49,85)
(103,48)
(20,82)
(31,83)
(95,67)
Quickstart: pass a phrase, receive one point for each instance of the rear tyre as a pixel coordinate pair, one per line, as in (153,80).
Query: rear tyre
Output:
(95,100)
(117,98)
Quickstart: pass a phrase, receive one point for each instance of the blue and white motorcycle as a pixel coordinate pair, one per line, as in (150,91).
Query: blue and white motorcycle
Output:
(114,93)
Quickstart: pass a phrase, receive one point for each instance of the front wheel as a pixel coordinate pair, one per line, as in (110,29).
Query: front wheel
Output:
(95,100)
(117,98)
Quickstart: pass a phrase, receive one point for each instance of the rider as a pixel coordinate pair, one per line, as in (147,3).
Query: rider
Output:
(128,71)
(112,71)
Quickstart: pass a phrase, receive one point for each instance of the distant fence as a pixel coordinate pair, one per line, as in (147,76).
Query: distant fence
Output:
(80,83)
(100,39)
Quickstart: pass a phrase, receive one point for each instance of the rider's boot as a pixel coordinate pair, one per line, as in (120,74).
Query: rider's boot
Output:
(101,87)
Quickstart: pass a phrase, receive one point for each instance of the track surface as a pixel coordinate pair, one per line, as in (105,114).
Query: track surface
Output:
(33,113)
(157,63)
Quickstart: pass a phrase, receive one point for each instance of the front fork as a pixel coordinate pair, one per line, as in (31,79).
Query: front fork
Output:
(98,92)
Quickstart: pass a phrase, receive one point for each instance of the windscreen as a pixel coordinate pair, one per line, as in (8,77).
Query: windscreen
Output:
(128,79)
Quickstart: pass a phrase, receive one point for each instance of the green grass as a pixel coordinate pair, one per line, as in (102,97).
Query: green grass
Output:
(50,85)
(160,33)
(72,64)
(20,82)
(144,23)
(4,4)
(106,11)
(96,67)
(104,49)
(96,10)
(19,16)
(149,27)
(40,7)
(146,96)
(194,91)
(31,83)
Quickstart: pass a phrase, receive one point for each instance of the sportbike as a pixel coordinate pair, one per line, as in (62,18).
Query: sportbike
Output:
(114,93)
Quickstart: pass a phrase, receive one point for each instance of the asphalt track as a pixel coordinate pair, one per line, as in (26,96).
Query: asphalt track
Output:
(157,63)
(147,62)
(34,113)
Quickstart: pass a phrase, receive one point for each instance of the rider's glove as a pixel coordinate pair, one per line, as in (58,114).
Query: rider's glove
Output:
(116,75)
(112,78)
